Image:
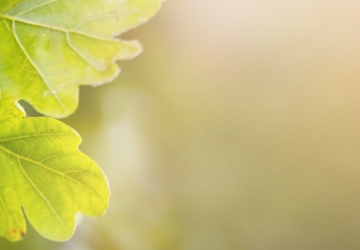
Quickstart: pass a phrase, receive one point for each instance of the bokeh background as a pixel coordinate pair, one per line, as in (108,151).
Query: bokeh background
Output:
(238,127)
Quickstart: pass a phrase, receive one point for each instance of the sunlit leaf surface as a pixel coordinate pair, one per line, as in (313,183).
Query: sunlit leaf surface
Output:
(50,47)
(43,171)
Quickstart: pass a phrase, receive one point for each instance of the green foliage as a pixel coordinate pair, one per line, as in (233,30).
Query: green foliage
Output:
(49,48)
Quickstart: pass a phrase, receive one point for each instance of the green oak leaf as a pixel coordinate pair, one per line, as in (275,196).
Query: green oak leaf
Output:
(50,47)
(43,172)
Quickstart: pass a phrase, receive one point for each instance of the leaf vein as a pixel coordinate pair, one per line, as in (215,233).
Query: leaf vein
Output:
(32,136)
(50,169)
(36,7)
(64,30)
(68,40)
(41,194)
(35,66)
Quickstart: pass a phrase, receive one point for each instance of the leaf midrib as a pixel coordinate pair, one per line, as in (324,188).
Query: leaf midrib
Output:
(32,136)
(64,175)
(55,28)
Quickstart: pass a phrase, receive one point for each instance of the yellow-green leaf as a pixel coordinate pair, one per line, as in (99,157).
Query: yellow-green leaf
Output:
(50,47)
(43,172)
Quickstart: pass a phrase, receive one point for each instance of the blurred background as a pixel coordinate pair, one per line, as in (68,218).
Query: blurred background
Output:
(238,127)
